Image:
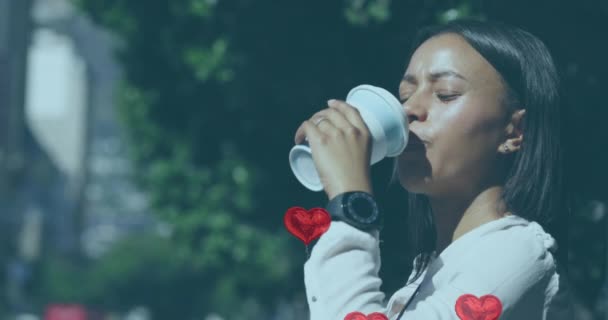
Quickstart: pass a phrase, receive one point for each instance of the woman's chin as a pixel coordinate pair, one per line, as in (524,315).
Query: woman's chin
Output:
(414,184)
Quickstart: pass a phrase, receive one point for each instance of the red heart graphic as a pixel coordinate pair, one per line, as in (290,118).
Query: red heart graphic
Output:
(469,307)
(361,316)
(307,225)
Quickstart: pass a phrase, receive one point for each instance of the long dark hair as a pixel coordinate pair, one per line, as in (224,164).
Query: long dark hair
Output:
(533,187)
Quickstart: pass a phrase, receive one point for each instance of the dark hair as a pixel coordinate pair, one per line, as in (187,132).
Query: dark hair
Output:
(533,186)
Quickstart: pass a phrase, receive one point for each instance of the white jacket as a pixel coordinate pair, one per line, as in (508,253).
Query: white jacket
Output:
(510,258)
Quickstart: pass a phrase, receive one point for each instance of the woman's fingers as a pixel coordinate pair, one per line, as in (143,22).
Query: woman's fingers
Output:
(310,131)
(335,120)
(350,113)
(334,123)
(306,130)
(301,132)
(341,148)
(339,116)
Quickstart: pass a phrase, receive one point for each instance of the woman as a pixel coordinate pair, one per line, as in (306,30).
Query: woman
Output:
(482,100)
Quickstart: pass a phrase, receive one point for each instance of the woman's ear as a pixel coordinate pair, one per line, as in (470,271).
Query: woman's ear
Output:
(517,120)
(514,127)
(514,131)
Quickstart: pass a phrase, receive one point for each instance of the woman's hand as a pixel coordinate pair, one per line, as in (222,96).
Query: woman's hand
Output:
(341,148)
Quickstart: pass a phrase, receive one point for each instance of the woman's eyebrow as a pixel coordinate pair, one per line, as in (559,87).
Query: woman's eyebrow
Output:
(434,76)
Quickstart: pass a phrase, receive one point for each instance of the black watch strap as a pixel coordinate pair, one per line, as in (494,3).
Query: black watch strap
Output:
(339,211)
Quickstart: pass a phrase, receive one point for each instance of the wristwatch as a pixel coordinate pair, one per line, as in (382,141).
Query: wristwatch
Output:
(356,208)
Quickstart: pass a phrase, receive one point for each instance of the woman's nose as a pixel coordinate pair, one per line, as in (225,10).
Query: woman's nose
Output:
(415,111)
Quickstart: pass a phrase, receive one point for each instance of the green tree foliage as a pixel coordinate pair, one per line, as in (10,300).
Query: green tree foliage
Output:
(140,270)
(213,92)
(206,97)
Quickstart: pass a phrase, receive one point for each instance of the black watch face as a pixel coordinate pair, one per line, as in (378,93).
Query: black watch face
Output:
(362,208)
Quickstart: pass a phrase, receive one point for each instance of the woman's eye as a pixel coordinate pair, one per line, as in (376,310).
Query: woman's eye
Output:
(447,97)
(403,100)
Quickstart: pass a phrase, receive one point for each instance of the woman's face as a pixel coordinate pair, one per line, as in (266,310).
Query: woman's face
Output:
(453,100)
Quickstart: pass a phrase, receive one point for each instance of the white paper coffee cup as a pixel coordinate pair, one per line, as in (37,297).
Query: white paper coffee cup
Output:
(386,120)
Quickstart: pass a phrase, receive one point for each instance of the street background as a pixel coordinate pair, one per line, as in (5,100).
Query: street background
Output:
(143,147)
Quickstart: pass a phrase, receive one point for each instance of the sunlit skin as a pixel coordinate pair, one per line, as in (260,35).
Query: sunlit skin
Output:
(465,125)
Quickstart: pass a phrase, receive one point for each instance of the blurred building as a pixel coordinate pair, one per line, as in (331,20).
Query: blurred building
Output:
(65,183)
(27,176)
(72,81)
(13,45)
